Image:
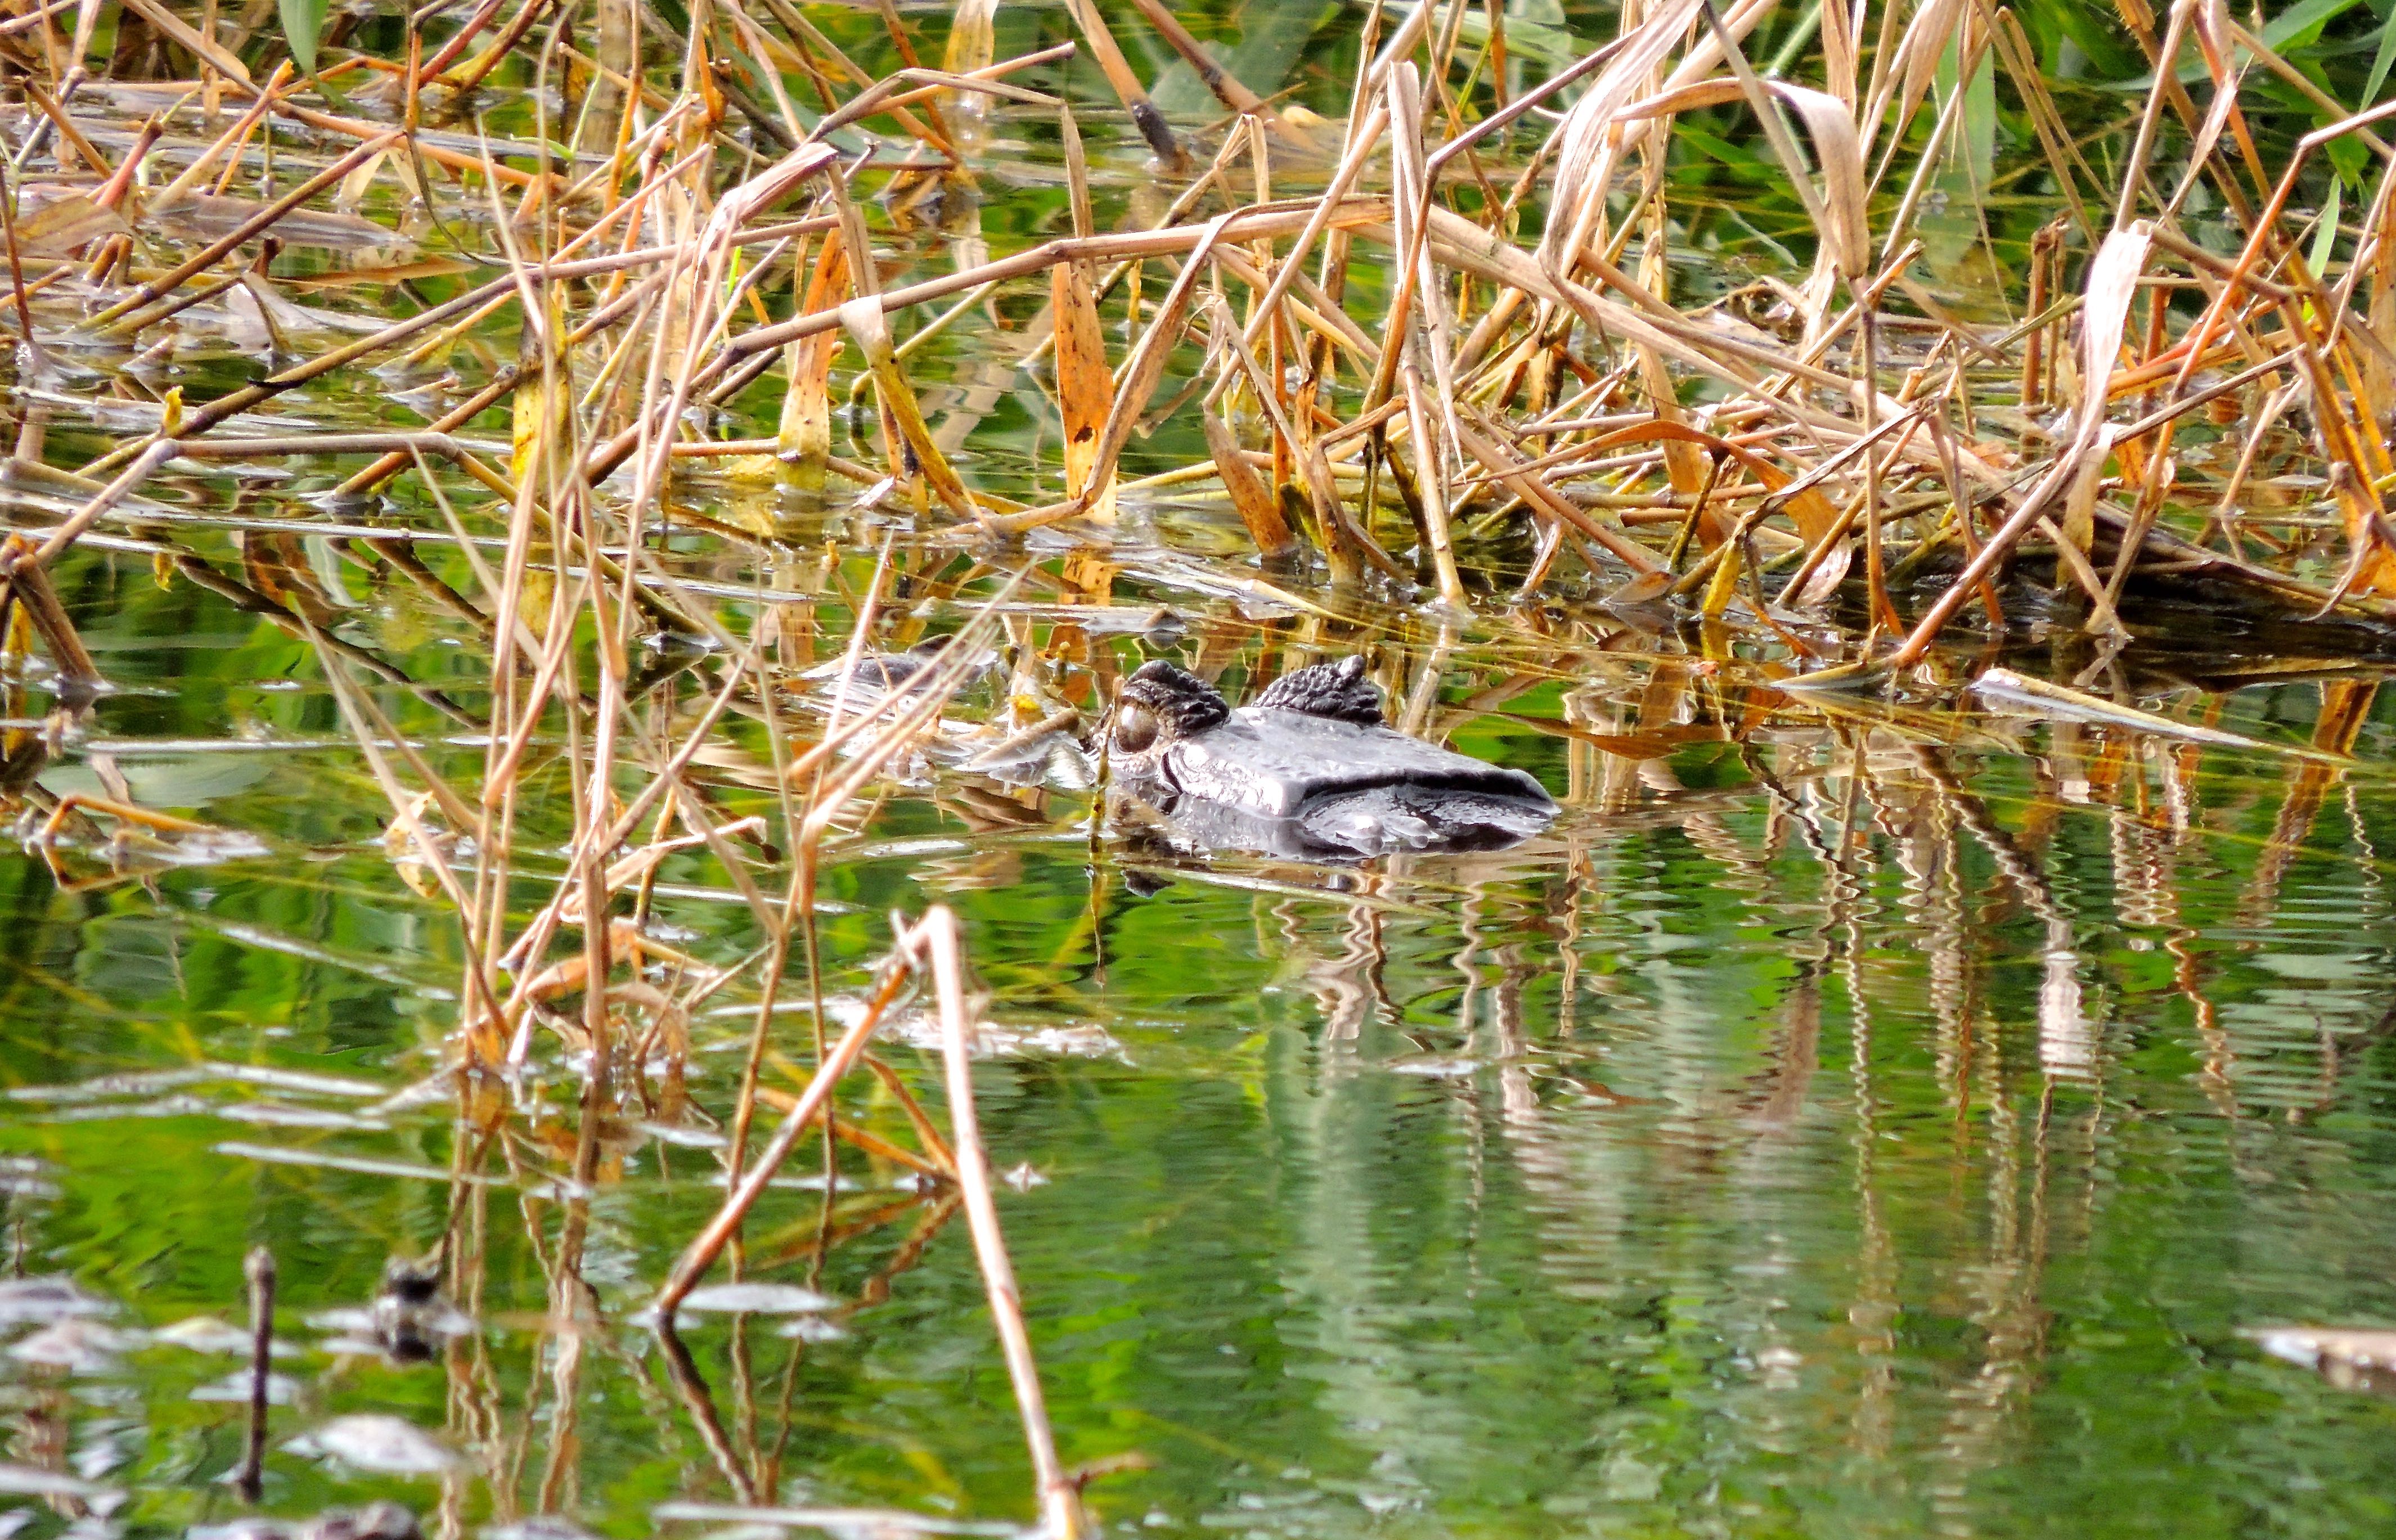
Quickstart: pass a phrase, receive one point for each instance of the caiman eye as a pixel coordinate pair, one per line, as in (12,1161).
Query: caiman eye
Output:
(1134,727)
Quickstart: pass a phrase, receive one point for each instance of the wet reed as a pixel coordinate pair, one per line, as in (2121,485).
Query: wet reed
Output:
(1432,343)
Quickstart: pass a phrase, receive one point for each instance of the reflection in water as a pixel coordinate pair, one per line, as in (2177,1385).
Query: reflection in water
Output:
(1843,1120)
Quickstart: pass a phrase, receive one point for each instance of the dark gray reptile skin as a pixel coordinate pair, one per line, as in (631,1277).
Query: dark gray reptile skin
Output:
(1289,782)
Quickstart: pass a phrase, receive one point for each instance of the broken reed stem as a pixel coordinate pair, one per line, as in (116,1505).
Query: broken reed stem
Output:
(931,945)
(708,1244)
(258,1268)
(1059,1506)
(248,230)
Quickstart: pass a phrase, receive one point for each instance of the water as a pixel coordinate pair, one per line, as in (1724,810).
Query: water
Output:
(1824,1130)
(1856,1117)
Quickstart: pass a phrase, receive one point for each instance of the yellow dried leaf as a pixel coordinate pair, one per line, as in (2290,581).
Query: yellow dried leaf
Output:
(806,427)
(1249,495)
(863,320)
(1086,386)
(544,404)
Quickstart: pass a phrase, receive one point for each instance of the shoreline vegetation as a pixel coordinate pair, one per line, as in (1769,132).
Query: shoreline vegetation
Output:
(2056,315)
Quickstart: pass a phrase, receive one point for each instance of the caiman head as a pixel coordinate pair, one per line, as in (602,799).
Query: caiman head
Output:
(1160,705)
(1309,764)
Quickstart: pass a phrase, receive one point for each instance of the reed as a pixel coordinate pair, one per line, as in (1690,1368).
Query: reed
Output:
(1434,328)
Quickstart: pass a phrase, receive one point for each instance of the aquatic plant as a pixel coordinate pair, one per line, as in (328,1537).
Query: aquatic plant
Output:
(1442,318)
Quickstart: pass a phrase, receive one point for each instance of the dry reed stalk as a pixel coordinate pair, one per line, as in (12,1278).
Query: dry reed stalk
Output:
(930,945)
(1059,1504)
(183,33)
(2111,279)
(1420,329)
(24,585)
(149,293)
(682,324)
(1111,63)
(708,1244)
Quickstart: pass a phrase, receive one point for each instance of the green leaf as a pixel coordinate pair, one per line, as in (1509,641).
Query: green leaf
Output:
(2350,157)
(2302,24)
(2299,26)
(303,22)
(2325,238)
(2381,61)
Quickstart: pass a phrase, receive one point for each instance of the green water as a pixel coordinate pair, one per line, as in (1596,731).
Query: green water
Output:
(1855,1117)
(1823,1132)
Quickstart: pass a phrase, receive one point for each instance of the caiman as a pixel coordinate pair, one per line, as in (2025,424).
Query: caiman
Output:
(1308,769)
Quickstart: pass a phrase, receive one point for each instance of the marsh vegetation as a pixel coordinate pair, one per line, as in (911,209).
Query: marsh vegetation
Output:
(566,560)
